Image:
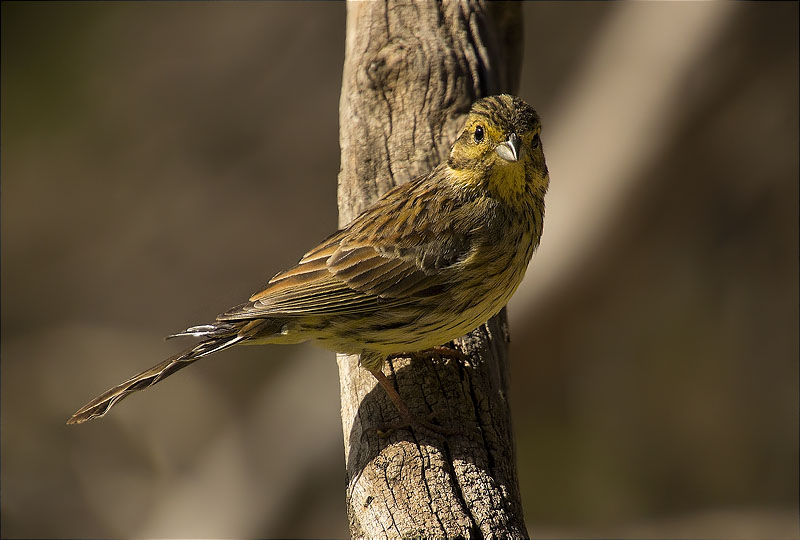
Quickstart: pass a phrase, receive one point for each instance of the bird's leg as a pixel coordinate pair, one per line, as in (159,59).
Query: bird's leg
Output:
(408,418)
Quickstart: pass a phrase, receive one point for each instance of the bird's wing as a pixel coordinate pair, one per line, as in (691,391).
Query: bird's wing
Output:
(358,270)
(339,280)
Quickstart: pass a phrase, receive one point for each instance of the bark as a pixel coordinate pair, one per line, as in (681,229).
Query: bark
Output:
(411,72)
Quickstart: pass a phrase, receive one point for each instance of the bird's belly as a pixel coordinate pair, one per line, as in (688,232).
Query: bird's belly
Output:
(429,322)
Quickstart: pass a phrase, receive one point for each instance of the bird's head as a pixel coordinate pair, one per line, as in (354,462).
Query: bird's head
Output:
(500,148)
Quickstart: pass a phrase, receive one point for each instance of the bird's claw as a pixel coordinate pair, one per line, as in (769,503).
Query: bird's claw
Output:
(408,422)
(435,352)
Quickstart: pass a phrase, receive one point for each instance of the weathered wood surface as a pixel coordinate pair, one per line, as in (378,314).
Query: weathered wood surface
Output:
(411,72)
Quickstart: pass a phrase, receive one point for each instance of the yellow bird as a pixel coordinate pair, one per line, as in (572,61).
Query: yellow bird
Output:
(430,261)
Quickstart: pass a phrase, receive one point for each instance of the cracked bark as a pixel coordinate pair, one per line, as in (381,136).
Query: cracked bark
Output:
(411,72)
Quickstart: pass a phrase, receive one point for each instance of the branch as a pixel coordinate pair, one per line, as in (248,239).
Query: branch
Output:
(411,72)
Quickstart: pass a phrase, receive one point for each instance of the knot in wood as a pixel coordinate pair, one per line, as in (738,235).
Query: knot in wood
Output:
(387,66)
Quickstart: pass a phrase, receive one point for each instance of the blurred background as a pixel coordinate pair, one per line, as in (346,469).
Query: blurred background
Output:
(161,161)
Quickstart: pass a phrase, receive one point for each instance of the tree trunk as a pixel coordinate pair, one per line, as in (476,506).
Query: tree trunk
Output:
(411,72)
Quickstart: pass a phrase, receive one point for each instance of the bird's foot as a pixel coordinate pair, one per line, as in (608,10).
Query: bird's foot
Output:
(443,352)
(407,419)
(414,422)
(437,352)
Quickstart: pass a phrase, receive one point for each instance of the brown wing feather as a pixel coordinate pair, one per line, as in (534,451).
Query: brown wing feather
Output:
(356,283)
(378,261)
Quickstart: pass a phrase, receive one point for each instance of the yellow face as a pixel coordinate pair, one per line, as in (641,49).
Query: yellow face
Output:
(500,148)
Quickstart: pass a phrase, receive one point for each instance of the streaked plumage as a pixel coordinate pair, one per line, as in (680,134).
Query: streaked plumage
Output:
(428,262)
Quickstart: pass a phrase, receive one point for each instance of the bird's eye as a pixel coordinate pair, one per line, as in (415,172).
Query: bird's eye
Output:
(536,141)
(478,134)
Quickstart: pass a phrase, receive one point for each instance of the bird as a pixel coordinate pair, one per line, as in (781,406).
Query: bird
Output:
(428,262)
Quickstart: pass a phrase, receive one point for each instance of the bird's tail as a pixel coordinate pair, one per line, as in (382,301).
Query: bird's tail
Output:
(216,337)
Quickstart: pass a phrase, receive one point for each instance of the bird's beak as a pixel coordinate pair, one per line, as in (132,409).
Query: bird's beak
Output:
(509,150)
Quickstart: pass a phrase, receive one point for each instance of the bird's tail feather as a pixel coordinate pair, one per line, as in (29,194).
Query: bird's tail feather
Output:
(216,337)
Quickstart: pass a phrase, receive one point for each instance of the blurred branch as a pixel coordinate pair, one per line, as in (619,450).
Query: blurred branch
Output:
(588,193)
(411,72)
